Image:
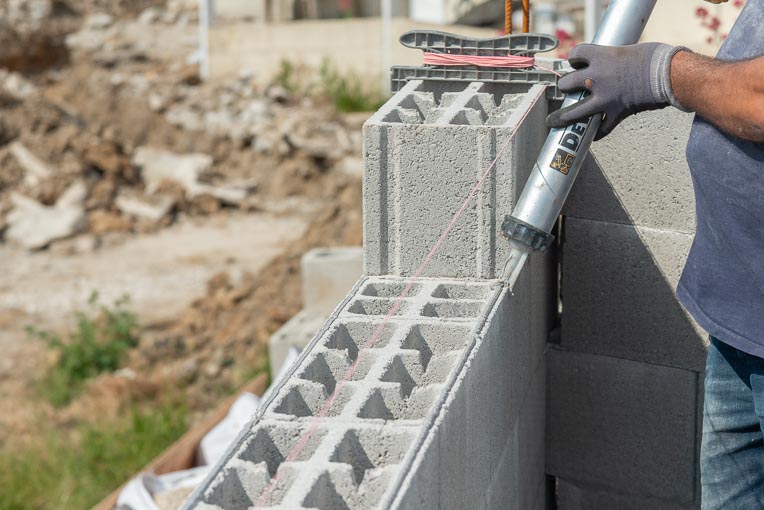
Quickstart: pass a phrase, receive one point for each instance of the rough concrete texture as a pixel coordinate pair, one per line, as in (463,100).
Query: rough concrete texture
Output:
(618,285)
(639,175)
(445,410)
(625,383)
(424,150)
(573,496)
(627,427)
(487,450)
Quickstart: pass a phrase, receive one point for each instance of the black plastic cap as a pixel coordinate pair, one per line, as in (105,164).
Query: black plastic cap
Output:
(526,234)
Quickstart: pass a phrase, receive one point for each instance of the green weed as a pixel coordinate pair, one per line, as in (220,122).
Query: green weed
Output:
(286,76)
(97,345)
(348,92)
(66,470)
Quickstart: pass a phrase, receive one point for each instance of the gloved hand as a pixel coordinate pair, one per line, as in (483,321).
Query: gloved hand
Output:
(622,81)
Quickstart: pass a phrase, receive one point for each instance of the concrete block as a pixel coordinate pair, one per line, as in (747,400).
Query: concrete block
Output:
(398,427)
(434,400)
(531,441)
(625,426)
(573,496)
(519,476)
(639,175)
(452,447)
(328,274)
(618,285)
(417,422)
(424,150)
(542,501)
(296,332)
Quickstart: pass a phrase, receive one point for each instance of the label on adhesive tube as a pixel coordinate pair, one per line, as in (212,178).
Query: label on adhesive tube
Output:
(569,144)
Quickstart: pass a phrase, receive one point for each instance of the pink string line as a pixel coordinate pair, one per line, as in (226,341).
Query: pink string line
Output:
(303,442)
(449,59)
(506,62)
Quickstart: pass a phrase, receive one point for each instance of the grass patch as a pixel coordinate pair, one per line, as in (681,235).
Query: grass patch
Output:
(286,77)
(76,469)
(96,345)
(348,92)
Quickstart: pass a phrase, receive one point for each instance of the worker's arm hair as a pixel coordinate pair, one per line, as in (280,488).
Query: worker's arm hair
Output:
(729,95)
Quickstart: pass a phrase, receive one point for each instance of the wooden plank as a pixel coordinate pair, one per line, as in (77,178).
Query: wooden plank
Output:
(182,453)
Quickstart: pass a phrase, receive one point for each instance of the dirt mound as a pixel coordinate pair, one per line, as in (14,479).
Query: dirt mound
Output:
(117,129)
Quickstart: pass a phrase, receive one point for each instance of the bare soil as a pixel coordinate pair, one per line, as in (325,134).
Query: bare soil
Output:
(211,281)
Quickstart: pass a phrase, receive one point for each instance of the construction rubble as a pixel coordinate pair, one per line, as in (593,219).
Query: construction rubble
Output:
(107,133)
(127,134)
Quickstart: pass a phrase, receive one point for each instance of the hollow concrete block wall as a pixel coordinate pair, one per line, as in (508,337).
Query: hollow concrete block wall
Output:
(625,380)
(447,409)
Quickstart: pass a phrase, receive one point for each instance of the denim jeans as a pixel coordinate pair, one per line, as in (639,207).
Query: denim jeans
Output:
(732,449)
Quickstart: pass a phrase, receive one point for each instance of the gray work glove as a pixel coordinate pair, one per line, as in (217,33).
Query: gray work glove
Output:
(622,81)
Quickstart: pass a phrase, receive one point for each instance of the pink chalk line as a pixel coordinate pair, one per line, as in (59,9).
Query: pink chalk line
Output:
(507,62)
(294,453)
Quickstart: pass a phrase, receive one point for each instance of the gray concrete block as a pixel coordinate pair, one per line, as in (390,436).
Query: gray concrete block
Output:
(519,475)
(573,496)
(639,175)
(618,297)
(328,274)
(399,432)
(445,409)
(452,447)
(625,426)
(542,502)
(296,332)
(491,429)
(531,441)
(423,153)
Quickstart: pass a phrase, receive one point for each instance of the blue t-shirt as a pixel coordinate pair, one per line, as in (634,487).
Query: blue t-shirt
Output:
(722,285)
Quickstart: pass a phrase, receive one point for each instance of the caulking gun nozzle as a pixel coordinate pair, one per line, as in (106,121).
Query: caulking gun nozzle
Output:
(514,266)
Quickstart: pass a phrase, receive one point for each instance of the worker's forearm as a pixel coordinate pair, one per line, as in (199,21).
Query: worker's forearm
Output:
(729,95)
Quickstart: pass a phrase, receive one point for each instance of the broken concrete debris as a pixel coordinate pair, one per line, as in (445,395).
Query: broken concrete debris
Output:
(150,207)
(158,165)
(34,225)
(50,145)
(187,170)
(15,85)
(326,140)
(35,170)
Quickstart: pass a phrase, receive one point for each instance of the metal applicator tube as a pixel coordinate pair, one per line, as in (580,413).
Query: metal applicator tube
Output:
(530,225)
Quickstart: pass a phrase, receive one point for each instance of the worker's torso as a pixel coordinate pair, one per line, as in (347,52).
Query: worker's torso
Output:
(723,280)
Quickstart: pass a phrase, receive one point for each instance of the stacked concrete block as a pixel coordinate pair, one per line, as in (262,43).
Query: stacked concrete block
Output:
(638,175)
(443,407)
(440,404)
(626,380)
(424,150)
(624,426)
(327,275)
(618,285)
